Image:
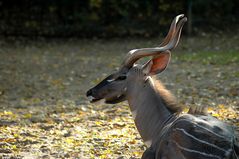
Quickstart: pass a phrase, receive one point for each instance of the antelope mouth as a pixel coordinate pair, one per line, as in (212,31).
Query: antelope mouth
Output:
(113,100)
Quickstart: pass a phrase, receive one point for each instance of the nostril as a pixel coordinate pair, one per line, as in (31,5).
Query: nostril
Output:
(89,92)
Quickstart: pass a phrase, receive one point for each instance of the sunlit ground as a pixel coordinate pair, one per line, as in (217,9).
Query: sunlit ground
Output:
(84,133)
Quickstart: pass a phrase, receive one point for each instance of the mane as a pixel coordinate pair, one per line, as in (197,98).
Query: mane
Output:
(168,98)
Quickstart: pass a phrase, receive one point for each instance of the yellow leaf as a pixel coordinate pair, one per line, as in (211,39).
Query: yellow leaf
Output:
(8,113)
(185,109)
(103,156)
(15,135)
(98,122)
(137,154)
(215,115)
(28,115)
(106,144)
(209,109)
(14,147)
(221,106)
(69,140)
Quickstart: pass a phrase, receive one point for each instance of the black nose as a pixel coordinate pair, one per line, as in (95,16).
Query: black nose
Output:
(89,93)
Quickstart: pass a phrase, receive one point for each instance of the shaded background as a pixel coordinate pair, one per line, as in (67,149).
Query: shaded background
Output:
(112,18)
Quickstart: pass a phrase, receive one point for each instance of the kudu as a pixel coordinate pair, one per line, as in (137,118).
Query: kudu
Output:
(168,133)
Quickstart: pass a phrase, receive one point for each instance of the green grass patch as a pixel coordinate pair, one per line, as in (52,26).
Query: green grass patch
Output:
(216,58)
(237,74)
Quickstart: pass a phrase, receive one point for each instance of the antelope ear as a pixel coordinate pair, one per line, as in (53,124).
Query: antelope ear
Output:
(158,64)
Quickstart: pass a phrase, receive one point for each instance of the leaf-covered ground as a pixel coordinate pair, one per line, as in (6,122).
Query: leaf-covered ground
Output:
(44,112)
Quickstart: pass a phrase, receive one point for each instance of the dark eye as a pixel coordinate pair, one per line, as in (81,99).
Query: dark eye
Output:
(120,78)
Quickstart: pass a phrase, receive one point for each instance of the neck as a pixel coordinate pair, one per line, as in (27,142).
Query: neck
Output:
(149,109)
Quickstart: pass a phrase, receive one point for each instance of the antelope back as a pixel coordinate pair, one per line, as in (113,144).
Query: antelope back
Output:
(196,137)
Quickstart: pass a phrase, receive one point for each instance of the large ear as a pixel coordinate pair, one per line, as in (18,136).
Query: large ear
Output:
(157,64)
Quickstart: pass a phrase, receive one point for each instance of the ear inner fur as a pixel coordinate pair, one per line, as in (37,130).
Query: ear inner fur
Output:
(160,63)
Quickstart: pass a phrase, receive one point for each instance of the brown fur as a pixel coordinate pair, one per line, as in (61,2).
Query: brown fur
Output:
(168,98)
(171,102)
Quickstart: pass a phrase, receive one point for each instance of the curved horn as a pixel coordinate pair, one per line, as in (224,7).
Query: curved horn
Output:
(171,30)
(171,40)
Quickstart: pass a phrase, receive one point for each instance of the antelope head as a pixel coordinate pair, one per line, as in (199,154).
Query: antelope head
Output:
(113,88)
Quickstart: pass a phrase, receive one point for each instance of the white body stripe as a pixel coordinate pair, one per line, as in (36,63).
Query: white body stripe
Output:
(197,152)
(202,141)
(201,127)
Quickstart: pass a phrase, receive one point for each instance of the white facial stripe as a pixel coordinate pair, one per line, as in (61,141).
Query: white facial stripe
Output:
(110,80)
(202,141)
(194,151)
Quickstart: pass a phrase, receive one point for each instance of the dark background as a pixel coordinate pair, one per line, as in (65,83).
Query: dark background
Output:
(113,18)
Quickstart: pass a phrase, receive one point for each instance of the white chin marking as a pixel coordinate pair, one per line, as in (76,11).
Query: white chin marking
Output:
(101,101)
(91,98)
(148,143)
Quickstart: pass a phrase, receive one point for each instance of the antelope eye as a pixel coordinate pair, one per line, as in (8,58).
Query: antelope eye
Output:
(120,78)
